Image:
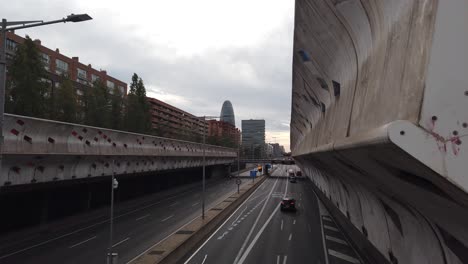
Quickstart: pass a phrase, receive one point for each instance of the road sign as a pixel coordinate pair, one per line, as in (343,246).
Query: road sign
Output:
(253,173)
(238,181)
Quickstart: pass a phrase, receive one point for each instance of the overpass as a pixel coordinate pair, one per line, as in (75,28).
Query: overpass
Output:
(272,161)
(41,151)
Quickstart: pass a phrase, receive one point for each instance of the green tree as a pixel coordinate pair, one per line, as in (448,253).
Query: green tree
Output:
(96,105)
(66,104)
(116,111)
(26,91)
(137,110)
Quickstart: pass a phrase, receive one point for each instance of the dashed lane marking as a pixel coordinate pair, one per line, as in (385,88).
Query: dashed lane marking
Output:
(142,217)
(343,256)
(167,218)
(82,242)
(204,259)
(337,240)
(118,243)
(331,228)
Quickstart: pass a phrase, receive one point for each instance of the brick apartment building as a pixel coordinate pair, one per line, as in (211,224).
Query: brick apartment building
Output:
(57,64)
(222,129)
(173,122)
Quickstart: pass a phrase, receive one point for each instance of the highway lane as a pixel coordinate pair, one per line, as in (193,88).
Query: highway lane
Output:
(134,231)
(258,232)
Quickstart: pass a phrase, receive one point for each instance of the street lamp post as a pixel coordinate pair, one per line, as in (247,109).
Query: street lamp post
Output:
(16,25)
(204,146)
(114,184)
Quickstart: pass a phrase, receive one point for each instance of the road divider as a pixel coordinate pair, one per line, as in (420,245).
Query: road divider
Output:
(178,245)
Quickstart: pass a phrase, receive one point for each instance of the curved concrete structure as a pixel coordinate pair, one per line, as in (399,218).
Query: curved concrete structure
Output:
(380,121)
(37,150)
(227,113)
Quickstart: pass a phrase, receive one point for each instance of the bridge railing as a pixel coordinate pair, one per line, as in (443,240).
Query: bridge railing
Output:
(28,135)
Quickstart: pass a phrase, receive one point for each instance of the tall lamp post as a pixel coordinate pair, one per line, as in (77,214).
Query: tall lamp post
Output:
(204,146)
(16,25)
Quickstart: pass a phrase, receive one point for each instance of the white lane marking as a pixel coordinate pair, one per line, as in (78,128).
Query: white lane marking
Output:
(277,259)
(139,218)
(327,217)
(290,236)
(222,236)
(206,255)
(294,222)
(281,224)
(217,230)
(82,242)
(118,243)
(343,256)
(249,248)
(167,218)
(195,204)
(239,215)
(285,259)
(239,254)
(259,233)
(331,228)
(337,240)
(310,230)
(173,204)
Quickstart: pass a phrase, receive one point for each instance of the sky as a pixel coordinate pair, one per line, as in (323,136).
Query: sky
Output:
(191,54)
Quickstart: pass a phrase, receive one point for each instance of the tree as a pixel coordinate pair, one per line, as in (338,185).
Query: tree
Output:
(66,105)
(96,105)
(137,110)
(26,90)
(116,111)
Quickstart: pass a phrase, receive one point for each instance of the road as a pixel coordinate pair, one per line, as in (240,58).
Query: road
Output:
(259,232)
(134,231)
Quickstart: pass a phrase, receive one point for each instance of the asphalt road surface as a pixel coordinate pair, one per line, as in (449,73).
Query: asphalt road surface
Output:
(134,231)
(259,232)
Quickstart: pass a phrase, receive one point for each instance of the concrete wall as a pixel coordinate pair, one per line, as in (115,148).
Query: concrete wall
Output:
(379,119)
(37,150)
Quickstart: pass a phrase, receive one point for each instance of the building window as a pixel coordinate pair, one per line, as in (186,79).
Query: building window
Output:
(11,45)
(61,67)
(121,89)
(94,78)
(46,60)
(81,74)
(110,84)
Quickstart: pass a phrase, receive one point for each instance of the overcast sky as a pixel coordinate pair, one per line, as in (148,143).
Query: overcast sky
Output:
(191,54)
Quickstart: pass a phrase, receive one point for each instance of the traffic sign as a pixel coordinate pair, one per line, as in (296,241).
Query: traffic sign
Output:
(238,181)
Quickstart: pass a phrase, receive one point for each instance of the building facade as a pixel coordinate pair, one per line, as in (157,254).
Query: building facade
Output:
(57,65)
(224,131)
(170,121)
(253,138)
(227,113)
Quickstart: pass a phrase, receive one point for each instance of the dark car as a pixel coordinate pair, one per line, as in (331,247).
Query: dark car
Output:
(288,204)
(298,173)
(292,179)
